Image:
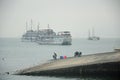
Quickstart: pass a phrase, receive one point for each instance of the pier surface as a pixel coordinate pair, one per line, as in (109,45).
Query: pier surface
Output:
(94,64)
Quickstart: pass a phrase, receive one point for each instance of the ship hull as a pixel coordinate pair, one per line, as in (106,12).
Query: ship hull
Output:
(55,41)
(93,38)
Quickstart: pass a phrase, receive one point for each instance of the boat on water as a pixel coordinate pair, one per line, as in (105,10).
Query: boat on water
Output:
(92,36)
(48,37)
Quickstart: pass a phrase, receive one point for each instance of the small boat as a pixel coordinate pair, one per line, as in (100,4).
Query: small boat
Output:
(92,36)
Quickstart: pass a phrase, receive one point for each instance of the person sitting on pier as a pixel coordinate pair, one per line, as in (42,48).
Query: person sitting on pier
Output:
(76,54)
(80,53)
(55,56)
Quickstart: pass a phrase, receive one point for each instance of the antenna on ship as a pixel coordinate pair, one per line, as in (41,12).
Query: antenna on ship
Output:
(93,33)
(37,30)
(26,26)
(38,26)
(89,33)
(31,29)
(31,24)
(48,26)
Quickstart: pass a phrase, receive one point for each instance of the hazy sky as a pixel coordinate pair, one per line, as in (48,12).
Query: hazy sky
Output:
(77,16)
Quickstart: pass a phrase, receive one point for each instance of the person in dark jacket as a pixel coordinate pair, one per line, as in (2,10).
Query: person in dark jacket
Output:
(55,56)
(80,53)
(76,54)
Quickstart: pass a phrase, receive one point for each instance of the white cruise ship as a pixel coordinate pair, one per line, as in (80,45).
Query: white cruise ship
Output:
(48,37)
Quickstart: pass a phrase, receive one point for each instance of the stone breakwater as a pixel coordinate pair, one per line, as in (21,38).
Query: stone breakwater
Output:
(95,64)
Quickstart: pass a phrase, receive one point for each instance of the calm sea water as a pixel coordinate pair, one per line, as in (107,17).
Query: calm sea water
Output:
(16,55)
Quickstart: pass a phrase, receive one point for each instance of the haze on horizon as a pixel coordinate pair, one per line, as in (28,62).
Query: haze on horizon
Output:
(76,16)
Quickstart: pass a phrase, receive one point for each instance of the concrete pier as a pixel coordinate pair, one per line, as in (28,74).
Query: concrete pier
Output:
(95,64)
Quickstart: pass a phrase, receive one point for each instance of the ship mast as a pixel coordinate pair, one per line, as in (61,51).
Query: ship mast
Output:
(31,24)
(48,26)
(26,27)
(89,33)
(38,26)
(38,29)
(93,33)
(31,29)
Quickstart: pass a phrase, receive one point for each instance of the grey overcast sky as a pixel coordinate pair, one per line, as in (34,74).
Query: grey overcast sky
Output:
(77,16)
